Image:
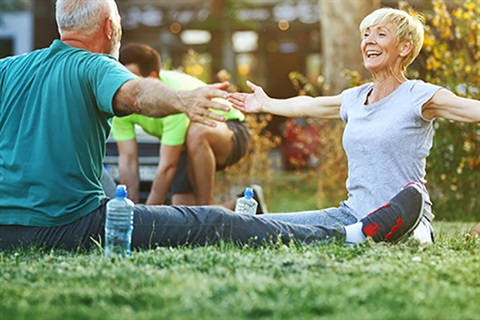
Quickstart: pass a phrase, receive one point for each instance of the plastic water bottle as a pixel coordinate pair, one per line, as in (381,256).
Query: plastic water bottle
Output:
(119,224)
(246,204)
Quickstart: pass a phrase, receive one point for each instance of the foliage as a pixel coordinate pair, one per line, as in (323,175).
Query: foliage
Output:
(451,56)
(227,10)
(366,281)
(330,171)
(258,166)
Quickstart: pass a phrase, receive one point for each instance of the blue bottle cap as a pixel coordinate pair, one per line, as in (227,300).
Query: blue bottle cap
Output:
(248,193)
(121,191)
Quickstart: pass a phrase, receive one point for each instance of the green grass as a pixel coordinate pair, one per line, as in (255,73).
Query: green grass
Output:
(319,281)
(291,191)
(367,281)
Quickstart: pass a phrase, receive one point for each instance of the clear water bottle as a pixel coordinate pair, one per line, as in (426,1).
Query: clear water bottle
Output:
(119,224)
(246,204)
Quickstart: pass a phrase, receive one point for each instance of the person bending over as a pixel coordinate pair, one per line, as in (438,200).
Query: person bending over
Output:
(208,148)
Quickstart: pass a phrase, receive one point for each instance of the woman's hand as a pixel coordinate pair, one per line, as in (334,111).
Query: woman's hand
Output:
(249,102)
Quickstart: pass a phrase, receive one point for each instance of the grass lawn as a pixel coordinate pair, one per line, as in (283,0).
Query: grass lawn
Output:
(319,281)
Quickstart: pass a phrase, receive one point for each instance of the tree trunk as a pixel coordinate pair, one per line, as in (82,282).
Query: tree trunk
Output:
(223,56)
(45,29)
(339,22)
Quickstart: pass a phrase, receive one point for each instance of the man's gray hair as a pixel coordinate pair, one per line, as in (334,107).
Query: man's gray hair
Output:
(82,15)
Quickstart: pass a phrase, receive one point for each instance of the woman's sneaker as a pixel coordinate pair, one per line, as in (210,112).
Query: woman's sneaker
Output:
(398,218)
(424,232)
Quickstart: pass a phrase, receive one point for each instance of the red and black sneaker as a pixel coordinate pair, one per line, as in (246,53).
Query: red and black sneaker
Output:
(398,218)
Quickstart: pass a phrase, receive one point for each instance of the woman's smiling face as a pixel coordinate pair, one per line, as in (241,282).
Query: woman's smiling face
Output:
(380,48)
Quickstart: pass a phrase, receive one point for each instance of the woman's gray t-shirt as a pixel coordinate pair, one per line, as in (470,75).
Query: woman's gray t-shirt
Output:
(386,142)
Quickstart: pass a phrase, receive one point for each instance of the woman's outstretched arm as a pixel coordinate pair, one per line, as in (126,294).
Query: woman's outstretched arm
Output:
(327,107)
(445,104)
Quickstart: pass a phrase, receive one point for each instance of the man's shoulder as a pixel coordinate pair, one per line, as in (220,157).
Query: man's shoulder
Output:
(22,58)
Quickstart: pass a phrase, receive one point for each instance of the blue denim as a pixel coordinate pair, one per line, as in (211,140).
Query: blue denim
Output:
(170,226)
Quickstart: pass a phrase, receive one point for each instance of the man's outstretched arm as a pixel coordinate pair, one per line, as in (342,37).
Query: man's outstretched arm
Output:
(152,98)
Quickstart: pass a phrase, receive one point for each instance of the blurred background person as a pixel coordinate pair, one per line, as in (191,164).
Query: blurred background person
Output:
(190,154)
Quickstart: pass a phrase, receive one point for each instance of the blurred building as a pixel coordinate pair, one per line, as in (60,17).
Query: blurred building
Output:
(16,33)
(262,40)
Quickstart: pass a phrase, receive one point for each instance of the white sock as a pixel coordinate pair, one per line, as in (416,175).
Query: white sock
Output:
(354,233)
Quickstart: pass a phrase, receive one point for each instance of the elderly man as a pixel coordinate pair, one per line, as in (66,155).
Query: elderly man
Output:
(56,106)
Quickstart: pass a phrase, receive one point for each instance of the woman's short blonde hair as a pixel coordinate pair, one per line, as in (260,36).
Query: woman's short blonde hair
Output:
(407,26)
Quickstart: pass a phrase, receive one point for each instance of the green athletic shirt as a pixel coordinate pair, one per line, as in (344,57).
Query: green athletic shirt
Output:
(55,117)
(171,130)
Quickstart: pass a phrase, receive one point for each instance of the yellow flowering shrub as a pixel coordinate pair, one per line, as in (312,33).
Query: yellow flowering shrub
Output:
(451,56)
(258,166)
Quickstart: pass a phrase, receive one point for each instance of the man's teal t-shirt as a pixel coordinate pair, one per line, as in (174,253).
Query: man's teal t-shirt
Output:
(55,116)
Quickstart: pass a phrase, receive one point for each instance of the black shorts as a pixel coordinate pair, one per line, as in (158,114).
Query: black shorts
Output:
(240,142)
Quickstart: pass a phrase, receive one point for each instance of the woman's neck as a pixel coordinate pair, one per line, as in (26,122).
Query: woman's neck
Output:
(383,86)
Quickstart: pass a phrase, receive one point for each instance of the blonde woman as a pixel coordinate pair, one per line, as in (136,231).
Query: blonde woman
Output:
(389,121)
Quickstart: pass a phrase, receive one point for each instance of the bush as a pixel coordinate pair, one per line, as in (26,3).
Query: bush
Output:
(451,56)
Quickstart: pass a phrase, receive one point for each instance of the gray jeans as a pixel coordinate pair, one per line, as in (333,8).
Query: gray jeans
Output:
(170,226)
(343,216)
(331,217)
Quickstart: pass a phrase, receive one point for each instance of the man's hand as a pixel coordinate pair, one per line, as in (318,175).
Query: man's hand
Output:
(196,103)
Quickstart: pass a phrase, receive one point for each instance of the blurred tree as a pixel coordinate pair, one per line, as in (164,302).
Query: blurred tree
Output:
(45,26)
(339,21)
(222,22)
(220,35)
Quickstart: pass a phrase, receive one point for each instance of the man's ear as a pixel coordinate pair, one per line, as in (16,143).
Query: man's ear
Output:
(108,28)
